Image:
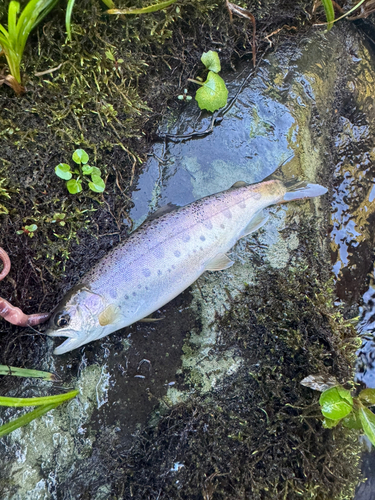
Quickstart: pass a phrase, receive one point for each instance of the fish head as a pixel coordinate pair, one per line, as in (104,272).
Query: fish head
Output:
(81,317)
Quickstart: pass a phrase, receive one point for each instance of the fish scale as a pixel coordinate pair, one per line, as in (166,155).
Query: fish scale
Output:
(162,258)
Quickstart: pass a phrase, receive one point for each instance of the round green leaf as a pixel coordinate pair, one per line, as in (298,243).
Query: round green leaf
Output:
(31,228)
(62,170)
(352,421)
(97,185)
(211,60)
(336,403)
(87,170)
(80,156)
(368,423)
(213,94)
(329,423)
(74,186)
(96,171)
(367,396)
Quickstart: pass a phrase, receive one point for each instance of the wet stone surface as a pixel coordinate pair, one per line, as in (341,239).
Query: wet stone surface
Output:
(300,108)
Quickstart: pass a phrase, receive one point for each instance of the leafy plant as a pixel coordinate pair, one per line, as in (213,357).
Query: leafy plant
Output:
(74,185)
(29,230)
(213,93)
(25,372)
(338,406)
(330,12)
(13,40)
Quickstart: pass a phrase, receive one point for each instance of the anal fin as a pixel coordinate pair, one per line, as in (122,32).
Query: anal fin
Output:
(257,221)
(219,262)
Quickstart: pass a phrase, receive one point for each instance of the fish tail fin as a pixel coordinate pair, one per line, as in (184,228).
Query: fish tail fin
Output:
(298,190)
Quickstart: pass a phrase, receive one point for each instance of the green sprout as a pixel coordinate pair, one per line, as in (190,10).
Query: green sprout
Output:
(29,230)
(13,40)
(213,93)
(338,406)
(74,185)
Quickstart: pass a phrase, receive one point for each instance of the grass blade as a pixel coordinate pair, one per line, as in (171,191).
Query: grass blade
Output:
(330,13)
(109,3)
(44,400)
(68,16)
(13,10)
(25,419)
(144,10)
(24,372)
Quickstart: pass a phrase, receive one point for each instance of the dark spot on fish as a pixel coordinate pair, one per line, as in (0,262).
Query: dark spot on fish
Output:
(112,293)
(173,267)
(228,214)
(186,238)
(203,238)
(158,252)
(139,286)
(222,226)
(159,273)
(242,205)
(208,224)
(177,253)
(134,294)
(146,287)
(126,297)
(146,272)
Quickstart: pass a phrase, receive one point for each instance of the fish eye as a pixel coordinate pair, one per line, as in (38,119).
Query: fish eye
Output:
(62,320)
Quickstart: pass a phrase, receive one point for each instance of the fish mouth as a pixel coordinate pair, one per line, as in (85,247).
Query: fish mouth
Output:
(73,340)
(68,345)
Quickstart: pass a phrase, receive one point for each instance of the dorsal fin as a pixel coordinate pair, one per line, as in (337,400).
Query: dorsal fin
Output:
(239,184)
(171,207)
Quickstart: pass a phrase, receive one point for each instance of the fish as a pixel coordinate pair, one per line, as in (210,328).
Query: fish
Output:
(163,257)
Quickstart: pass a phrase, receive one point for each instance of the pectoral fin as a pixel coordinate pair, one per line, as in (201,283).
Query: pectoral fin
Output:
(109,315)
(255,223)
(219,262)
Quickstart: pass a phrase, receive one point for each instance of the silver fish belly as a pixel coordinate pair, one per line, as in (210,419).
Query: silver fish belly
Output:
(162,258)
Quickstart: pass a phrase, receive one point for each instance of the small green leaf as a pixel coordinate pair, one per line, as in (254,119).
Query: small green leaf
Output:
(97,185)
(62,170)
(328,423)
(368,423)
(211,60)
(96,171)
(336,403)
(352,421)
(367,396)
(31,228)
(213,94)
(74,186)
(109,55)
(80,156)
(86,169)
(20,231)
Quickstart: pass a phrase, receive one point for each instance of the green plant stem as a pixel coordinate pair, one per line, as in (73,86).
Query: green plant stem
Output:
(24,372)
(26,419)
(45,400)
(195,81)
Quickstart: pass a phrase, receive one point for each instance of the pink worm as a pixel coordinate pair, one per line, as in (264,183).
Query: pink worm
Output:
(14,314)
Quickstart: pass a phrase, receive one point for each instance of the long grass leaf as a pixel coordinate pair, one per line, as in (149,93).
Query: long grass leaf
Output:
(26,419)
(143,10)
(24,372)
(330,13)
(44,400)
(68,16)
(13,10)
